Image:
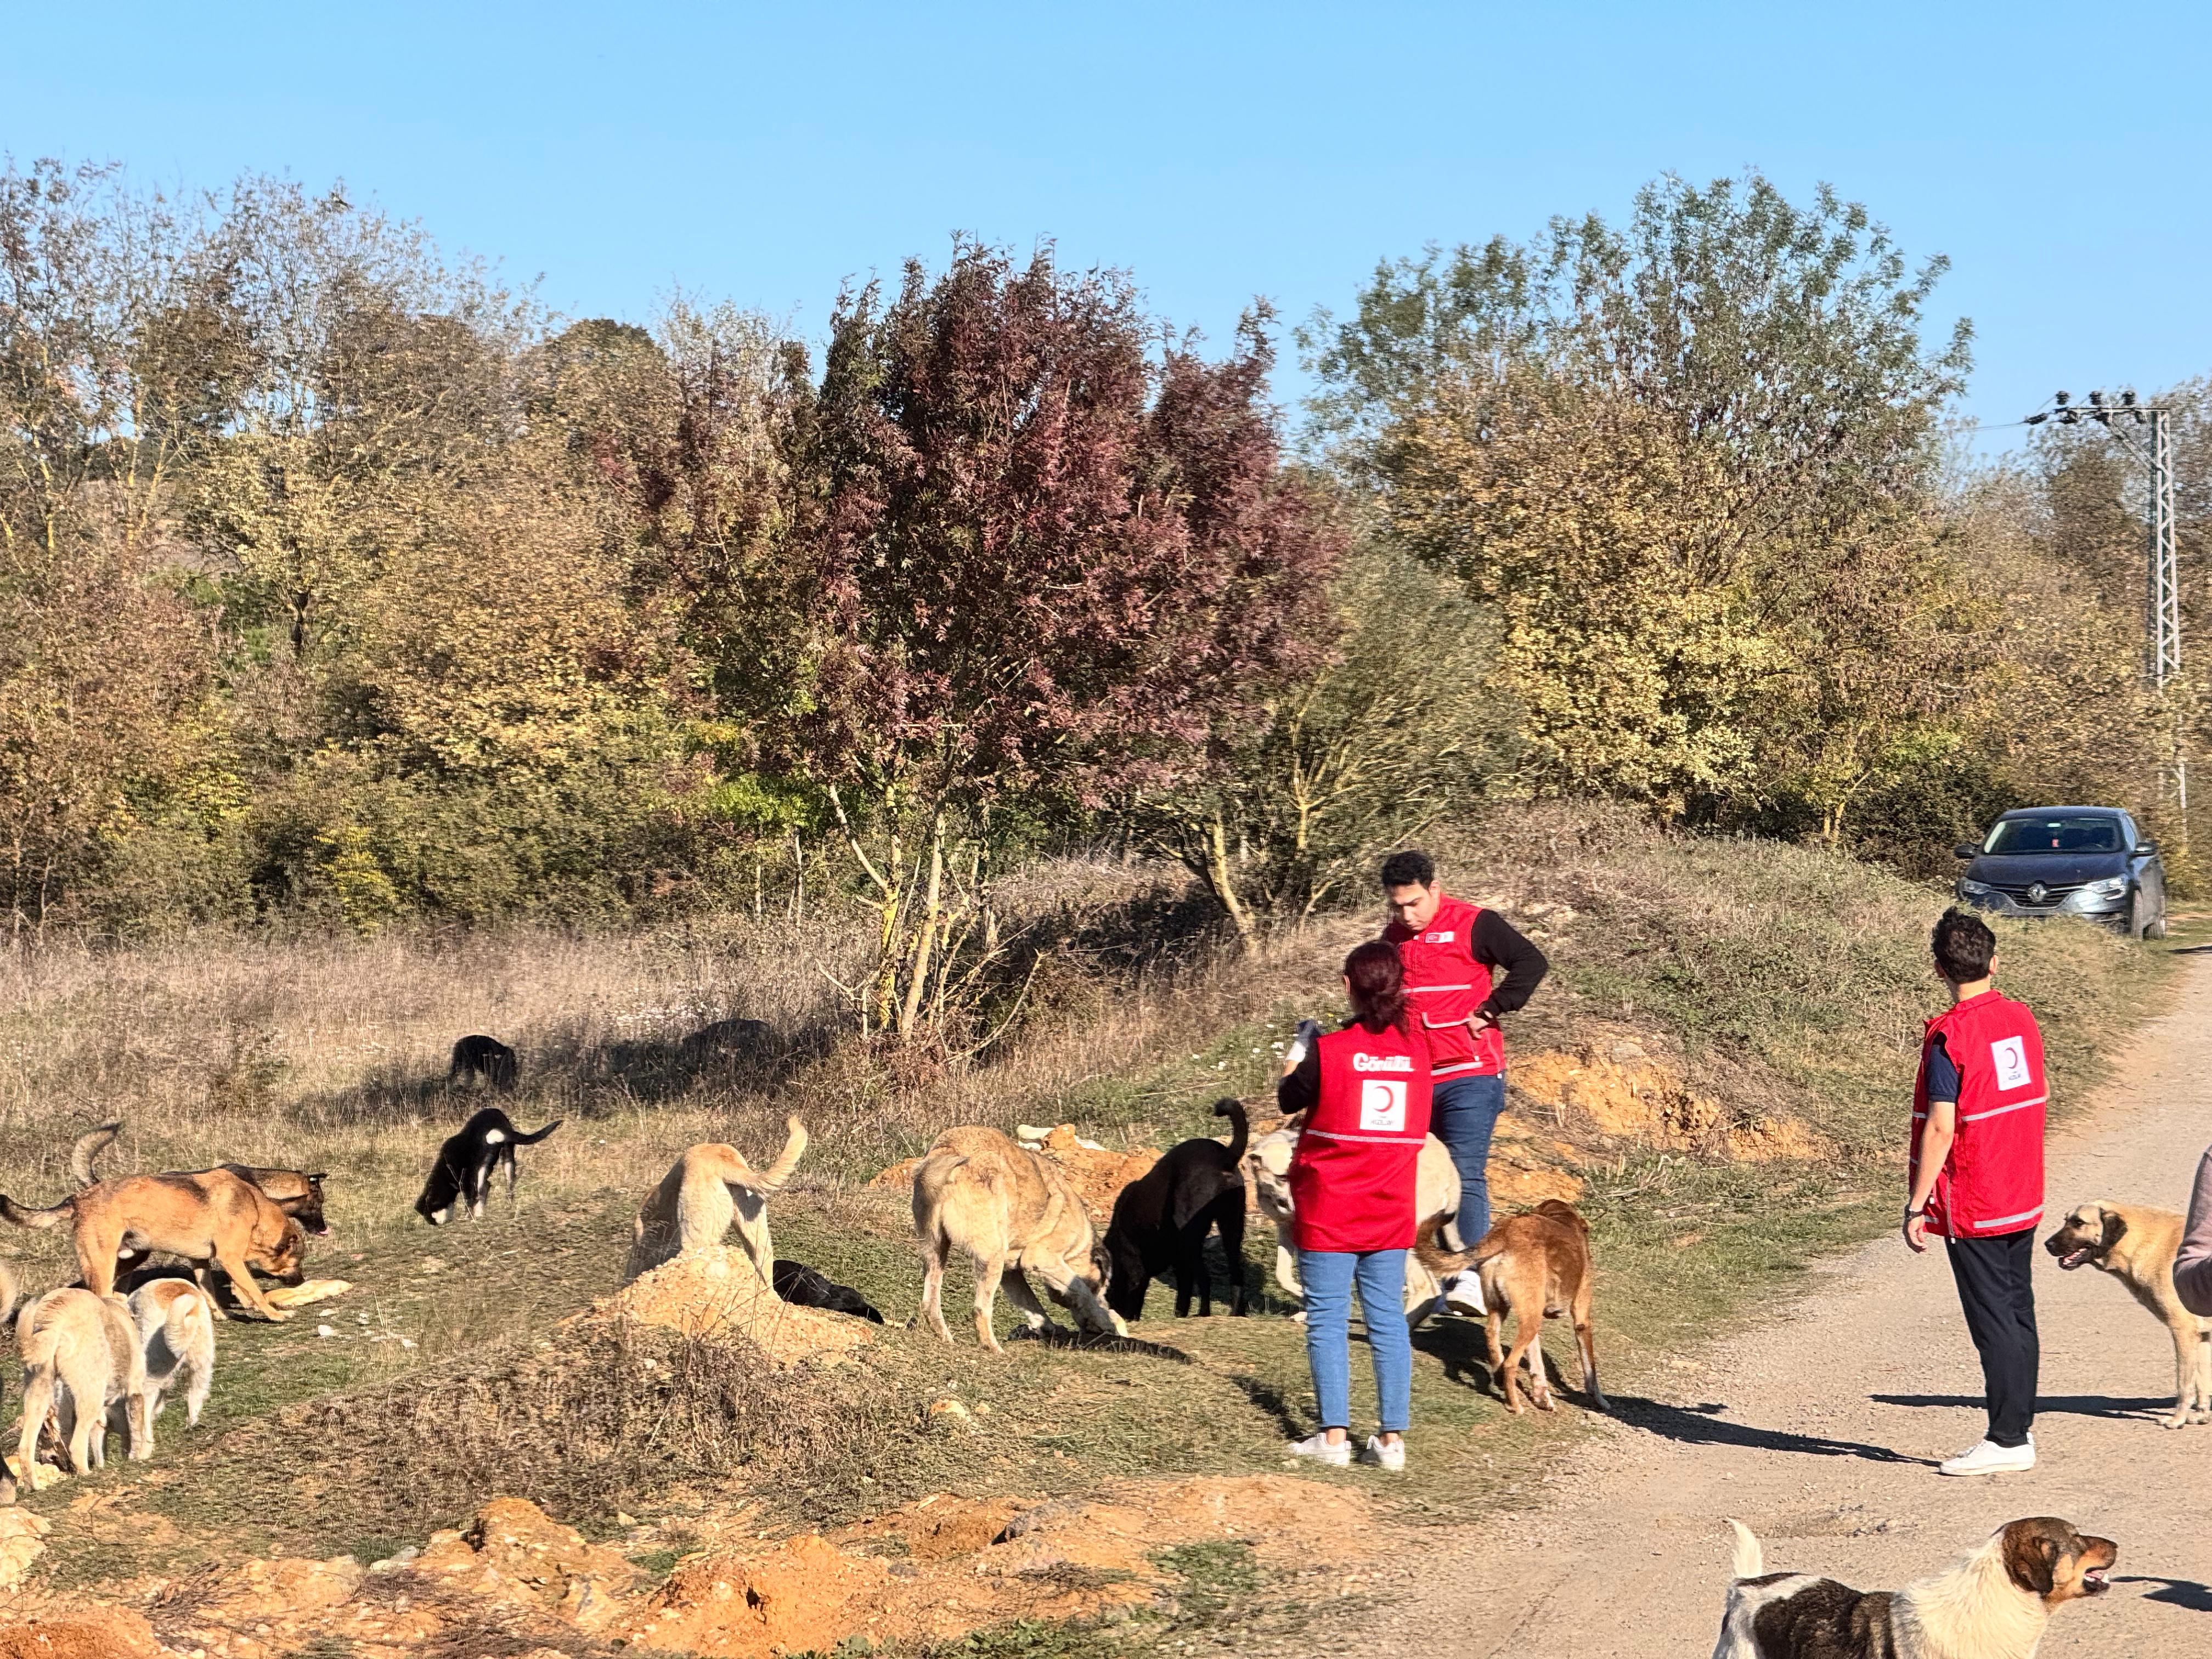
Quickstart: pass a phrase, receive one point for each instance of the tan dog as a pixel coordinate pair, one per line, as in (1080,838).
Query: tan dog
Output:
(294,1192)
(708,1187)
(210,1216)
(81,1356)
(176,1332)
(1436,1197)
(1992,1605)
(1535,1265)
(1013,1210)
(2135,1244)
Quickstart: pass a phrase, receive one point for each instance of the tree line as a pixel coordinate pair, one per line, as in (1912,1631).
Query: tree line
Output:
(339,582)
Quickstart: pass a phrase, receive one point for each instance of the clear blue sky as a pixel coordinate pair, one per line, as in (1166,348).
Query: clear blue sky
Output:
(2062,156)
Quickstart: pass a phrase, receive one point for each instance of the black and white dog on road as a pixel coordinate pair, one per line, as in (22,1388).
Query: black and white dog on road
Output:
(467,1162)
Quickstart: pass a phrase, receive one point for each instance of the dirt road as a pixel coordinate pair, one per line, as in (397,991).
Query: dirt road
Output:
(1821,1430)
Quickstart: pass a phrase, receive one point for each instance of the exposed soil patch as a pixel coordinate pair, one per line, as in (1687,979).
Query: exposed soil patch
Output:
(718,1291)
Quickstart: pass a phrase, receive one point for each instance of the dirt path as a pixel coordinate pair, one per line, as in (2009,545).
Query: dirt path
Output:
(1820,1429)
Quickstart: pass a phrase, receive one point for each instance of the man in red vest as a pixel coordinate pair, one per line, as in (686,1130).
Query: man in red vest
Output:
(1977,1178)
(1465,967)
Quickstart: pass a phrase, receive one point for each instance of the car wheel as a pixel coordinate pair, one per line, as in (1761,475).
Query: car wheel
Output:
(2157,927)
(2136,921)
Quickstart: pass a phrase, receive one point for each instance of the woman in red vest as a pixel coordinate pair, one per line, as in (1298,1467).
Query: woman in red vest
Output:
(1365,1093)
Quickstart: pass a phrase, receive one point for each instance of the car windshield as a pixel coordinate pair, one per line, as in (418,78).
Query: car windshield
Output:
(2059,833)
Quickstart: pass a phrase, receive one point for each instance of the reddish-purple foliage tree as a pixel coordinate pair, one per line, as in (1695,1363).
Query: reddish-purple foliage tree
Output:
(1050,562)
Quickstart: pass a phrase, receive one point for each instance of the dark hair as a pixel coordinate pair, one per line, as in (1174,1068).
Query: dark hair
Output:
(1408,868)
(1377,980)
(1964,946)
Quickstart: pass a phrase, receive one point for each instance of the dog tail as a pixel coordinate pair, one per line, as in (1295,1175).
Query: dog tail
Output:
(190,1314)
(522,1139)
(1750,1560)
(90,1146)
(1239,1127)
(774,1177)
(17,1215)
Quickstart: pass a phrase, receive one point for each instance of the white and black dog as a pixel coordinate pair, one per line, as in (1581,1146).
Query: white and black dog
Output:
(1993,1605)
(467,1162)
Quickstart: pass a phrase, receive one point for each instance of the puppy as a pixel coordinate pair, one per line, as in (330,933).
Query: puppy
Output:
(1536,1266)
(1011,1210)
(81,1356)
(1162,1219)
(176,1332)
(1436,1197)
(1992,1605)
(800,1285)
(2136,1244)
(210,1216)
(706,1190)
(294,1192)
(484,1057)
(468,1160)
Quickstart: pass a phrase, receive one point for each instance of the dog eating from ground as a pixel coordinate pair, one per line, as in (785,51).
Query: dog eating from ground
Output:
(468,1160)
(1436,1197)
(484,1057)
(1162,1219)
(176,1332)
(800,1285)
(295,1192)
(709,1188)
(1992,1605)
(81,1357)
(2136,1244)
(210,1216)
(1014,1212)
(1535,1266)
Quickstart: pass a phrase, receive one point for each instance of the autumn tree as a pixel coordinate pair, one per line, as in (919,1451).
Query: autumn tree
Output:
(1047,556)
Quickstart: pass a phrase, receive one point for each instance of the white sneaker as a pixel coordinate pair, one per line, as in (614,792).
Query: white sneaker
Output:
(1989,1458)
(1463,1293)
(1391,1457)
(1317,1447)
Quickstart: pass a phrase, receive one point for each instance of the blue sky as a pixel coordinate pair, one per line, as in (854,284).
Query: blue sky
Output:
(2059,154)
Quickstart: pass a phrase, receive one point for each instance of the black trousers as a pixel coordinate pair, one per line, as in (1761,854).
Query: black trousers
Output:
(1999,1298)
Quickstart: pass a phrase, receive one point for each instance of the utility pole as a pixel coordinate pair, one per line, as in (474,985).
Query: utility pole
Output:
(2163,610)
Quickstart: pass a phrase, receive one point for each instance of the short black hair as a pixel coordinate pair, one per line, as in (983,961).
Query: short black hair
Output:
(1964,946)
(1407,868)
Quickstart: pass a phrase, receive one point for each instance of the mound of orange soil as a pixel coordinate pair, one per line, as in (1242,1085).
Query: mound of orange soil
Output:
(1625,1094)
(703,1292)
(1097,1174)
(95,1633)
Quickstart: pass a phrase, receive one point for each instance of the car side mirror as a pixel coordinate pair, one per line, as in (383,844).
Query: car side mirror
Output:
(1963,851)
(2146,849)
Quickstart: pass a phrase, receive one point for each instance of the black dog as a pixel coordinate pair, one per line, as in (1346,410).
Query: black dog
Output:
(467,1162)
(800,1285)
(484,1057)
(1161,1220)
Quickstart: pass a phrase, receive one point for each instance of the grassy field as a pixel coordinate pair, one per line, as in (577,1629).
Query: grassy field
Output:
(1780,982)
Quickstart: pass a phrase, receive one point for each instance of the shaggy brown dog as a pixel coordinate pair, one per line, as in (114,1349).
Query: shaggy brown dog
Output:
(210,1216)
(294,1192)
(2135,1244)
(1993,1605)
(706,1190)
(1535,1265)
(1011,1209)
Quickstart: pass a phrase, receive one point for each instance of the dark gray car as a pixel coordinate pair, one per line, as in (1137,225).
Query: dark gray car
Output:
(2068,861)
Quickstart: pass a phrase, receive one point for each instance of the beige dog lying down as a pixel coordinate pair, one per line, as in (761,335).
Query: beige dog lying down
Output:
(1436,1197)
(710,1187)
(1014,1212)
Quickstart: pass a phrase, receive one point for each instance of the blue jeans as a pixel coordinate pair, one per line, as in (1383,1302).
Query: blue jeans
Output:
(1328,1277)
(1464,1112)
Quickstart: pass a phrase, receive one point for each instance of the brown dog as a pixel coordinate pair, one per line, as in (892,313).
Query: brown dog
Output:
(706,1190)
(2136,1243)
(294,1192)
(210,1216)
(1537,1265)
(1011,1209)
(1993,1605)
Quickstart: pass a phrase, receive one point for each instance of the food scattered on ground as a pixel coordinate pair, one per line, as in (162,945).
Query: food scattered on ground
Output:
(304,1295)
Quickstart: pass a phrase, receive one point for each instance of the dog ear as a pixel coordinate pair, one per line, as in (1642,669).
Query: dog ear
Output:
(2031,1556)
(2116,1228)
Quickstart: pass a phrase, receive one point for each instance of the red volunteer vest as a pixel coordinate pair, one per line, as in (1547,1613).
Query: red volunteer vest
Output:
(1444,983)
(1992,1183)
(1353,1175)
